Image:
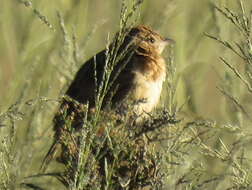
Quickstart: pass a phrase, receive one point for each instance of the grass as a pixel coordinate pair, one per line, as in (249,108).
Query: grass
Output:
(204,116)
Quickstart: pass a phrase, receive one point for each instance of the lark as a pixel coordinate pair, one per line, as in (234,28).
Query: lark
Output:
(137,75)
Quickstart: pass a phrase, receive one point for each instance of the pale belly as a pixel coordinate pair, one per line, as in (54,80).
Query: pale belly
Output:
(147,92)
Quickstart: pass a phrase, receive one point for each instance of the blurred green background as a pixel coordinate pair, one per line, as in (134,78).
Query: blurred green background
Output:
(44,42)
(35,56)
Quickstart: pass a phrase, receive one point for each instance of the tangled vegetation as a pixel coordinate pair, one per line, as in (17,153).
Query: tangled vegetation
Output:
(198,138)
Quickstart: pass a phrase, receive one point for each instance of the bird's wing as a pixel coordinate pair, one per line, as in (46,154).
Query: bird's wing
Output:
(83,87)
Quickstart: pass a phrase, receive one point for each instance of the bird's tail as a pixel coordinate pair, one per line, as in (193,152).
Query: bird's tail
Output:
(49,156)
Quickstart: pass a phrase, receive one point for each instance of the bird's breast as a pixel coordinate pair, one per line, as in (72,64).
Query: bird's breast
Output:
(148,89)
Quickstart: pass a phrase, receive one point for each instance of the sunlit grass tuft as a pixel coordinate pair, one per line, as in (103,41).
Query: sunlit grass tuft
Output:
(200,136)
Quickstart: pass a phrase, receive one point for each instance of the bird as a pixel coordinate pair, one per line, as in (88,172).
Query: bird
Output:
(141,78)
(131,68)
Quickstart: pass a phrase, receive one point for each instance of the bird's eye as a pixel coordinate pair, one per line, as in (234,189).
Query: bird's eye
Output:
(152,40)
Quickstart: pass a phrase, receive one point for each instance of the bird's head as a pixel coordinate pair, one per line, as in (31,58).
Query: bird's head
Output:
(147,41)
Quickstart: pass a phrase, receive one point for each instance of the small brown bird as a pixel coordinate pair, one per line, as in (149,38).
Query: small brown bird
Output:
(137,73)
(138,76)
